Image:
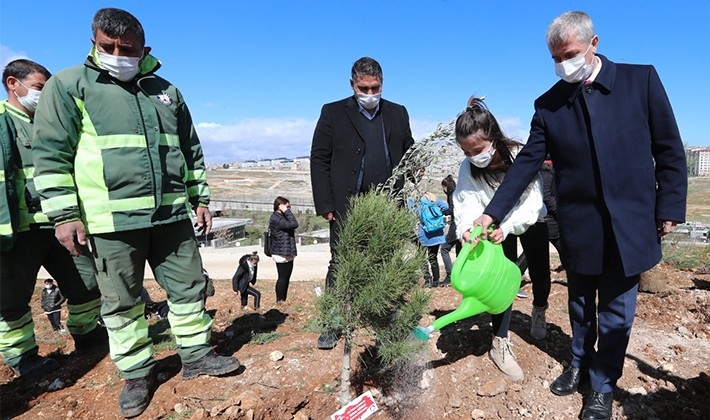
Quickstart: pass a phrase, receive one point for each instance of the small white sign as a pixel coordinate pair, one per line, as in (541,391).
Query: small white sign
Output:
(360,408)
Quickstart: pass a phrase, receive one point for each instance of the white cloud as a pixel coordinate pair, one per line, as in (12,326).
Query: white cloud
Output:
(263,138)
(7,55)
(422,128)
(256,138)
(513,128)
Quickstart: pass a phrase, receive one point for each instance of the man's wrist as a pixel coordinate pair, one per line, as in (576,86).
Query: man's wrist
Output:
(494,220)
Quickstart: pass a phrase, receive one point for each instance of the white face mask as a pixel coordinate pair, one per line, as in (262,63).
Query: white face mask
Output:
(575,69)
(119,67)
(47,286)
(30,100)
(368,101)
(482,159)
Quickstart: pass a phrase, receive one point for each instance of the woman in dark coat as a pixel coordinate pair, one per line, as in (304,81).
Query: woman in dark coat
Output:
(246,275)
(282,226)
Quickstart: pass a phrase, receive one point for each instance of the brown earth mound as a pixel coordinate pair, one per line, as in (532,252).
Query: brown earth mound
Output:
(285,377)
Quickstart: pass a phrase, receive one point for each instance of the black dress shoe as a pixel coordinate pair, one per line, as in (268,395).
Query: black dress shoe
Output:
(598,406)
(568,382)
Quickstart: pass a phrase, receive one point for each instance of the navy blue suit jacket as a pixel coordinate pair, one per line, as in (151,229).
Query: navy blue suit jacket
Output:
(619,166)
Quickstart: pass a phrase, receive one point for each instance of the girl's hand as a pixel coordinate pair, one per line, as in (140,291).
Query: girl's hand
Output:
(496,236)
(468,238)
(283,207)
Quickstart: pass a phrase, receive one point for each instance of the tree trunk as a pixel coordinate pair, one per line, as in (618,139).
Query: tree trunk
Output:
(345,397)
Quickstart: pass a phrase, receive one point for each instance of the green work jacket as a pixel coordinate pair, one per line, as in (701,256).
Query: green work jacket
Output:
(117,155)
(8,195)
(28,205)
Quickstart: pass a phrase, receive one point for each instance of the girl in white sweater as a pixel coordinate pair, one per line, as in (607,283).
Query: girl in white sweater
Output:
(489,154)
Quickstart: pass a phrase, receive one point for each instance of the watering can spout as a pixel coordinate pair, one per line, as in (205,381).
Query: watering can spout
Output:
(469,307)
(423,333)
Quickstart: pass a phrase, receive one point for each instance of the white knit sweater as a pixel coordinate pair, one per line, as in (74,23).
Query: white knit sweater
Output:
(473,195)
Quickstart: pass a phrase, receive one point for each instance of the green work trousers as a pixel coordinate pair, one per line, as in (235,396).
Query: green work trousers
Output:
(172,253)
(18,276)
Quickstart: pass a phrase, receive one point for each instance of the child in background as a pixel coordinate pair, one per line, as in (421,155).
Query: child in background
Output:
(246,275)
(449,186)
(51,303)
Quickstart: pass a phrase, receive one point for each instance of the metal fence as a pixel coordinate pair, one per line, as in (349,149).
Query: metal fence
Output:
(258,206)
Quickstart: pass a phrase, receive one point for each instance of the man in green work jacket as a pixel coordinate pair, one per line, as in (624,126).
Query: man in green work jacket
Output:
(118,162)
(28,240)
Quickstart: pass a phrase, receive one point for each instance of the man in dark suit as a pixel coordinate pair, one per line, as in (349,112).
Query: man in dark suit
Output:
(356,143)
(621,185)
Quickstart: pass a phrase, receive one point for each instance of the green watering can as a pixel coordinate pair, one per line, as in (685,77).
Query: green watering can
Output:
(487,280)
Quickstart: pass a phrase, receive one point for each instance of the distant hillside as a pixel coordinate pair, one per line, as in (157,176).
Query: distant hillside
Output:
(264,185)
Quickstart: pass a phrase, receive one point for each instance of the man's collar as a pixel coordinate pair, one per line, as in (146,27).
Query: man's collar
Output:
(15,111)
(604,79)
(607,74)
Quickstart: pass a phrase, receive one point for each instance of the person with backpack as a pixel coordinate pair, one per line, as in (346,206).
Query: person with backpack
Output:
(431,234)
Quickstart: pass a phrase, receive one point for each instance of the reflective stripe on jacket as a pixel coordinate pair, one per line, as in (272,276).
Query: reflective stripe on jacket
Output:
(30,212)
(119,156)
(8,197)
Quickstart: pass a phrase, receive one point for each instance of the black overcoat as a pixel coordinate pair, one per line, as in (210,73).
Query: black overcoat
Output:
(338,149)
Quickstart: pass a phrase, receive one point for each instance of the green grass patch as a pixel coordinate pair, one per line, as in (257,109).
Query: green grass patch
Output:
(266,337)
(54,338)
(307,222)
(698,200)
(167,343)
(313,325)
(179,416)
(328,388)
(685,257)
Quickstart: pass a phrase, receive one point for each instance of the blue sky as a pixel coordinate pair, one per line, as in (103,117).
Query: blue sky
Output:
(256,73)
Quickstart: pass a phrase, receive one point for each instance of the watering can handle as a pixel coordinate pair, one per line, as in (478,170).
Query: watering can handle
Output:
(477,231)
(468,246)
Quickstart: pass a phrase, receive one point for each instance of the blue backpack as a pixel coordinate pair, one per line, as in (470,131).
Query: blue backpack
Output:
(431,216)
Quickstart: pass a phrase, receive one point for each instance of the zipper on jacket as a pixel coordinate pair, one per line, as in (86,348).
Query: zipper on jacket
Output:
(136,89)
